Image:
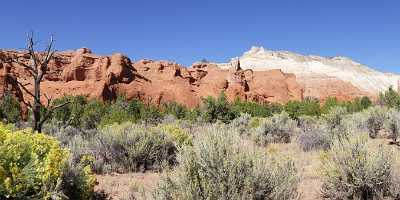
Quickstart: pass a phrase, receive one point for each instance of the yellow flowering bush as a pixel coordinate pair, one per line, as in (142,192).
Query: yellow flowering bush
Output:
(33,166)
(30,164)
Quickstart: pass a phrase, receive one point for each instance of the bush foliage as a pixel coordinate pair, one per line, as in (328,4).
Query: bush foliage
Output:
(393,124)
(390,98)
(216,167)
(10,109)
(315,138)
(130,147)
(217,109)
(277,129)
(376,117)
(353,170)
(336,123)
(32,167)
(256,109)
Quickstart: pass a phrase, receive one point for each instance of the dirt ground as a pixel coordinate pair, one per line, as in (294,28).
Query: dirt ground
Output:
(307,164)
(127,186)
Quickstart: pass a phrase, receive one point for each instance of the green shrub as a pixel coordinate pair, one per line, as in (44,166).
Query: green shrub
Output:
(78,179)
(353,170)
(309,106)
(365,102)
(93,114)
(390,98)
(220,109)
(277,129)
(135,109)
(355,105)
(193,114)
(10,109)
(221,166)
(130,147)
(293,108)
(117,113)
(255,109)
(71,113)
(173,108)
(330,103)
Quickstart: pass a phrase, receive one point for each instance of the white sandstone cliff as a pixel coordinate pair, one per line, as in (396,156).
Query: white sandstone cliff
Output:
(362,77)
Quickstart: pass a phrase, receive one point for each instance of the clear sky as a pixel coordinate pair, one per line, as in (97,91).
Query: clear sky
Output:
(185,31)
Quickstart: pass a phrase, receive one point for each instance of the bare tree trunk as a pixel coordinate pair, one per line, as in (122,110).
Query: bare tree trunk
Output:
(37,68)
(36,109)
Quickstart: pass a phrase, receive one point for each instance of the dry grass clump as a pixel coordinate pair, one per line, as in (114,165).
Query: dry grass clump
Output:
(220,165)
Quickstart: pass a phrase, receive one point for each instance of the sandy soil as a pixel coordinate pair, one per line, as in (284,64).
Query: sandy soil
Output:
(127,186)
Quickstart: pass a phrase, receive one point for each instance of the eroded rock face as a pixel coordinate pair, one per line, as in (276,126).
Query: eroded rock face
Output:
(104,77)
(322,87)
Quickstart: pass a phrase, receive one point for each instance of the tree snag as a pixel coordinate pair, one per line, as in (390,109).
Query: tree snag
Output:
(37,68)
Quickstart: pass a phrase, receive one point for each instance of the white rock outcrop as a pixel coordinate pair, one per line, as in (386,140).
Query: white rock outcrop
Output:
(366,79)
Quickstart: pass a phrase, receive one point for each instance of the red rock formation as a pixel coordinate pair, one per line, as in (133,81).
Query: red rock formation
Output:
(104,77)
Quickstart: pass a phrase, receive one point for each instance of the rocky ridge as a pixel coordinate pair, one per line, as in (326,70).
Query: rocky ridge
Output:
(81,72)
(321,76)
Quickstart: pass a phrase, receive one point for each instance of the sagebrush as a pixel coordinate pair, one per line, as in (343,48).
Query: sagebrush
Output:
(216,167)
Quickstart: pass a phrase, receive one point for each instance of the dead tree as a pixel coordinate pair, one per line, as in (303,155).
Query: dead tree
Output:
(37,68)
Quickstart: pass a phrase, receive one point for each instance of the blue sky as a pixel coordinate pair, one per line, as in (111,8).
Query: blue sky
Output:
(188,30)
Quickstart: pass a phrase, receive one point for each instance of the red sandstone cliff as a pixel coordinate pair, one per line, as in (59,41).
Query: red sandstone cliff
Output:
(104,77)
